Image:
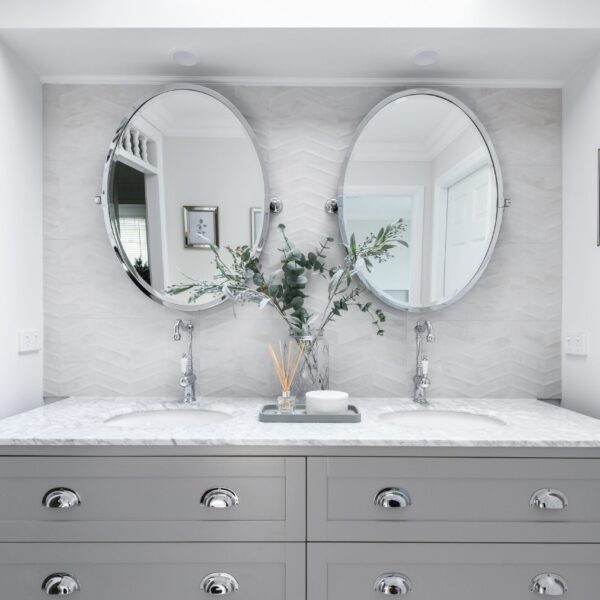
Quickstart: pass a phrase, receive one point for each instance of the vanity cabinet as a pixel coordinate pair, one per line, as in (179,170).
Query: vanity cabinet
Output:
(320,525)
(151,571)
(453,500)
(161,499)
(452,571)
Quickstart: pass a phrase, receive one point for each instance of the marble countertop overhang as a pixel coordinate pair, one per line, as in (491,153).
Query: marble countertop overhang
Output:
(80,421)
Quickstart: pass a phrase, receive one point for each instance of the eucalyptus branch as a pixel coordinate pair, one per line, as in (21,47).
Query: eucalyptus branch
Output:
(243,280)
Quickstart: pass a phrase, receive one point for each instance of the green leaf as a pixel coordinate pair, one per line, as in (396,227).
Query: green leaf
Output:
(337,275)
(297,302)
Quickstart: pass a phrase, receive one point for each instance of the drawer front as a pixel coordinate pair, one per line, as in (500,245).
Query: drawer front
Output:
(452,571)
(273,571)
(152,499)
(447,499)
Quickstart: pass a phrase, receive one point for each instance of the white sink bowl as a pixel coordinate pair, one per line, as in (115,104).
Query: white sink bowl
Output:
(440,418)
(182,417)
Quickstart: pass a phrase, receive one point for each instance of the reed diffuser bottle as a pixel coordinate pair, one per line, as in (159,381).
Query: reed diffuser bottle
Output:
(286,365)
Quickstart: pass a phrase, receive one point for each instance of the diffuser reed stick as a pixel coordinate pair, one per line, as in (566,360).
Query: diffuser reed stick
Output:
(285,365)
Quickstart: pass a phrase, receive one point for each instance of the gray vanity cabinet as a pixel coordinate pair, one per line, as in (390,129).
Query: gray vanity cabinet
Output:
(150,571)
(320,526)
(453,571)
(453,499)
(161,499)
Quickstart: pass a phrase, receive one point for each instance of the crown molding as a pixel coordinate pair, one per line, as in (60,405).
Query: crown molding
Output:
(166,124)
(299,81)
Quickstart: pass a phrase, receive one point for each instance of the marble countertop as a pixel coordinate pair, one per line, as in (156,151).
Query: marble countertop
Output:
(81,421)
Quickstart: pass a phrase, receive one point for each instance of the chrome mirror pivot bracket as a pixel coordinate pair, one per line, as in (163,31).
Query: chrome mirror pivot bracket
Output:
(331,206)
(276,205)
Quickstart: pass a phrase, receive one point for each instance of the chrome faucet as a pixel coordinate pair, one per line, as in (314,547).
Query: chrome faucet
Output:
(421,379)
(188,378)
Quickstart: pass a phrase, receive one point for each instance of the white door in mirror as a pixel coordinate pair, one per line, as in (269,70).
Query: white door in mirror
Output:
(326,402)
(421,157)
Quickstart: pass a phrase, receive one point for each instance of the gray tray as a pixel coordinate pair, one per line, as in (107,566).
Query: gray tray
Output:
(269,414)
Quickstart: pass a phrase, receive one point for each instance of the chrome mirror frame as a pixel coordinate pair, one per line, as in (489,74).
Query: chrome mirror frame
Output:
(107,181)
(501,204)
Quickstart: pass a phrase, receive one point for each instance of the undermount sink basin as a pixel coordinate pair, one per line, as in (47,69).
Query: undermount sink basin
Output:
(440,418)
(182,417)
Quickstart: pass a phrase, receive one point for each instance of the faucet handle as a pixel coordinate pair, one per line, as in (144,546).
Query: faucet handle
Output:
(430,334)
(179,325)
(177,330)
(425,365)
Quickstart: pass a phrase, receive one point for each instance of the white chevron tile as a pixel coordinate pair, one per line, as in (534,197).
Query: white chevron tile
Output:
(103,337)
(536,212)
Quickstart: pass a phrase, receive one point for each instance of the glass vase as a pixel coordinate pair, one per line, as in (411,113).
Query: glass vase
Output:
(313,369)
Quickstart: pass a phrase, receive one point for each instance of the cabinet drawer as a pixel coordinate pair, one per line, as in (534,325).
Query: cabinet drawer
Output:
(152,499)
(452,571)
(271,571)
(452,500)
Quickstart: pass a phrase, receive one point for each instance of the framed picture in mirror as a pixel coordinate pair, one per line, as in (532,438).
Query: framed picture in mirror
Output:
(201,226)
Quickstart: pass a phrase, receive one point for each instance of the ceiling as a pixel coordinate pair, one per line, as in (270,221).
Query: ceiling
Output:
(412,129)
(530,57)
(415,119)
(116,14)
(187,114)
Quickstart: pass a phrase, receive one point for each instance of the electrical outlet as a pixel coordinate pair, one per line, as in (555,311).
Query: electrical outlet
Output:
(576,343)
(30,341)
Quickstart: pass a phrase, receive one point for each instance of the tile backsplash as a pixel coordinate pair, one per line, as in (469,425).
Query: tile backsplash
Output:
(103,337)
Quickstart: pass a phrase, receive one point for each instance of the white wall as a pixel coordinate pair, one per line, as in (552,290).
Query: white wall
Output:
(208,172)
(581,256)
(20,232)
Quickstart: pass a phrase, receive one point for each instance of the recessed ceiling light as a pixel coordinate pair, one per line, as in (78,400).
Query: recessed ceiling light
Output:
(184,58)
(425,58)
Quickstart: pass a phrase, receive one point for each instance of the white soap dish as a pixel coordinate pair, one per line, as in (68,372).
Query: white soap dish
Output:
(326,402)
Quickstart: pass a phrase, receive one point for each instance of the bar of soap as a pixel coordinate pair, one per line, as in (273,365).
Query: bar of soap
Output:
(326,402)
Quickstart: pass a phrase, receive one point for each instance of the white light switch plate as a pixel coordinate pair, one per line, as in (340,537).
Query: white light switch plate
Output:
(576,343)
(30,341)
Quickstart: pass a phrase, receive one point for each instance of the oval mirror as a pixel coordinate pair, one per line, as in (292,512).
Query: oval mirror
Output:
(423,157)
(183,172)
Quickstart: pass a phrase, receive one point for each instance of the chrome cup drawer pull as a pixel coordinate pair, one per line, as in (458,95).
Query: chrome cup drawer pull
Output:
(548,584)
(219,584)
(219,498)
(393,498)
(393,584)
(549,499)
(60,584)
(61,498)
